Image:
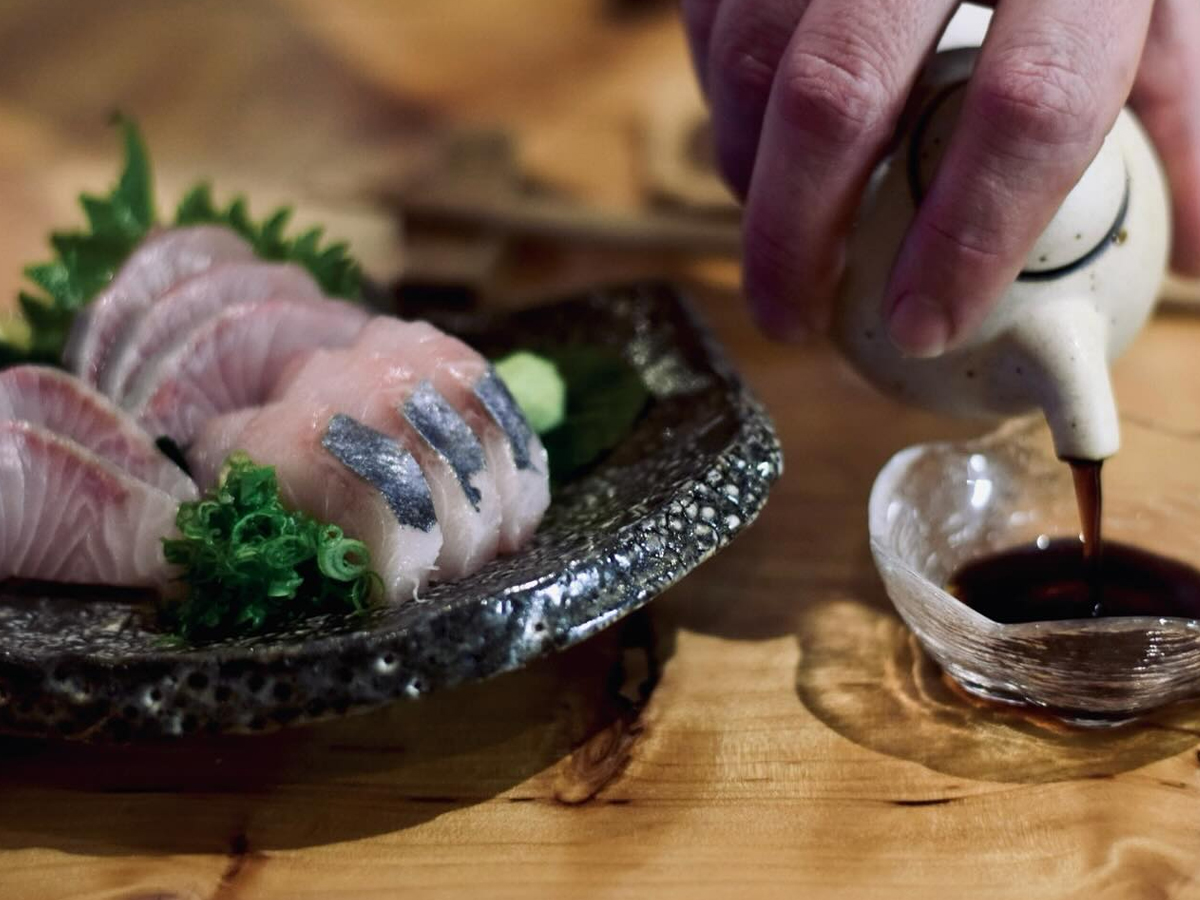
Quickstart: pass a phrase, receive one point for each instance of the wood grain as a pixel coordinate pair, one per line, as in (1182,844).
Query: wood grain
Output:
(766,729)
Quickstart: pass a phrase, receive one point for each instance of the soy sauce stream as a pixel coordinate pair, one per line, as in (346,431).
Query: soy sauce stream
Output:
(1090,500)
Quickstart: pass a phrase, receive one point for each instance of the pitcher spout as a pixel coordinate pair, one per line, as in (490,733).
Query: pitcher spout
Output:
(1065,343)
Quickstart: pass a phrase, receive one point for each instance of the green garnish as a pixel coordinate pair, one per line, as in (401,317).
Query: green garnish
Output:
(86,261)
(604,395)
(332,267)
(537,387)
(251,565)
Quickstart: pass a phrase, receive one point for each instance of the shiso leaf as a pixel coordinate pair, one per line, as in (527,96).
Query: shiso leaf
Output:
(85,261)
(333,267)
(133,199)
(248,564)
(605,398)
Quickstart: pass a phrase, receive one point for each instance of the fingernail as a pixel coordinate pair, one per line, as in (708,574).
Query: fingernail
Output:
(919,326)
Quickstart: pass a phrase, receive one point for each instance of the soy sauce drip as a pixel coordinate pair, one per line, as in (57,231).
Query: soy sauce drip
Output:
(1089,498)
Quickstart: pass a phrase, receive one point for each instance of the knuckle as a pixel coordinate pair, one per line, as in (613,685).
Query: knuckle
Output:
(1031,98)
(835,92)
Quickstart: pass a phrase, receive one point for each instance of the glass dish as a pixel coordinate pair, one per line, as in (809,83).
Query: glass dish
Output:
(937,506)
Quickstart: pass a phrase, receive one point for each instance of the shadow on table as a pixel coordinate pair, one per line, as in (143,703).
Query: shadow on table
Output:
(345,779)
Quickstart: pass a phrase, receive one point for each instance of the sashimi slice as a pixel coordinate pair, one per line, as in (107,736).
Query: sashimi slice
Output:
(393,399)
(515,455)
(66,406)
(338,470)
(514,452)
(192,301)
(66,515)
(467,498)
(232,360)
(158,263)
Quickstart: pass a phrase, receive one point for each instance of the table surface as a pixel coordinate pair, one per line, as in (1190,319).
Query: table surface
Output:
(767,728)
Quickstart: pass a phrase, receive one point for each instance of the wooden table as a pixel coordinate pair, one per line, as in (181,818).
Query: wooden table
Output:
(767,728)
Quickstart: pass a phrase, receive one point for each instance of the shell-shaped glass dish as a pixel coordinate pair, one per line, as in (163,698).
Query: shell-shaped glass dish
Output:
(935,507)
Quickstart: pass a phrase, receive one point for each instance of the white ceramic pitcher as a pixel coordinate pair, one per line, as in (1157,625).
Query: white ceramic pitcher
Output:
(1087,288)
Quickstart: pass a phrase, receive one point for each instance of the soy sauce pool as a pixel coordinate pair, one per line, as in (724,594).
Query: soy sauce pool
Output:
(1043,583)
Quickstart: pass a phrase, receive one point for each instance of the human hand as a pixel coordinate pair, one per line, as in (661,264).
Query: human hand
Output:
(805,95)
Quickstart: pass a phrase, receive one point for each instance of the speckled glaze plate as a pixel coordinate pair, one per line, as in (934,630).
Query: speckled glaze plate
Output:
(693,473)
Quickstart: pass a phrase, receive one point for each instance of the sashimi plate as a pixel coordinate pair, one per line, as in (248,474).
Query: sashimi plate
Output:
(693,472)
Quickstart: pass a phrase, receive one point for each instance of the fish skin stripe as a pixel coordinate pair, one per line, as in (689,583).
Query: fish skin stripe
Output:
(386,466)
(444,430)
(503,410)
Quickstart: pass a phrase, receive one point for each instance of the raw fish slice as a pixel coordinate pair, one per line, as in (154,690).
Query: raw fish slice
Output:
(400,404)
(466,496)
(152,269)
(190,302)
(521,460)
(66,406)
(232,360)
(67,515)
(515,455)
(339,470)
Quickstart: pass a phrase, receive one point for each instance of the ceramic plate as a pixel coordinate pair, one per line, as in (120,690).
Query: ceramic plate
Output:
(693,473)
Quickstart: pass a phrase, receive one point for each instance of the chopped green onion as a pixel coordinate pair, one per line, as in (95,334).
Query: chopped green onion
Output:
(248,564)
